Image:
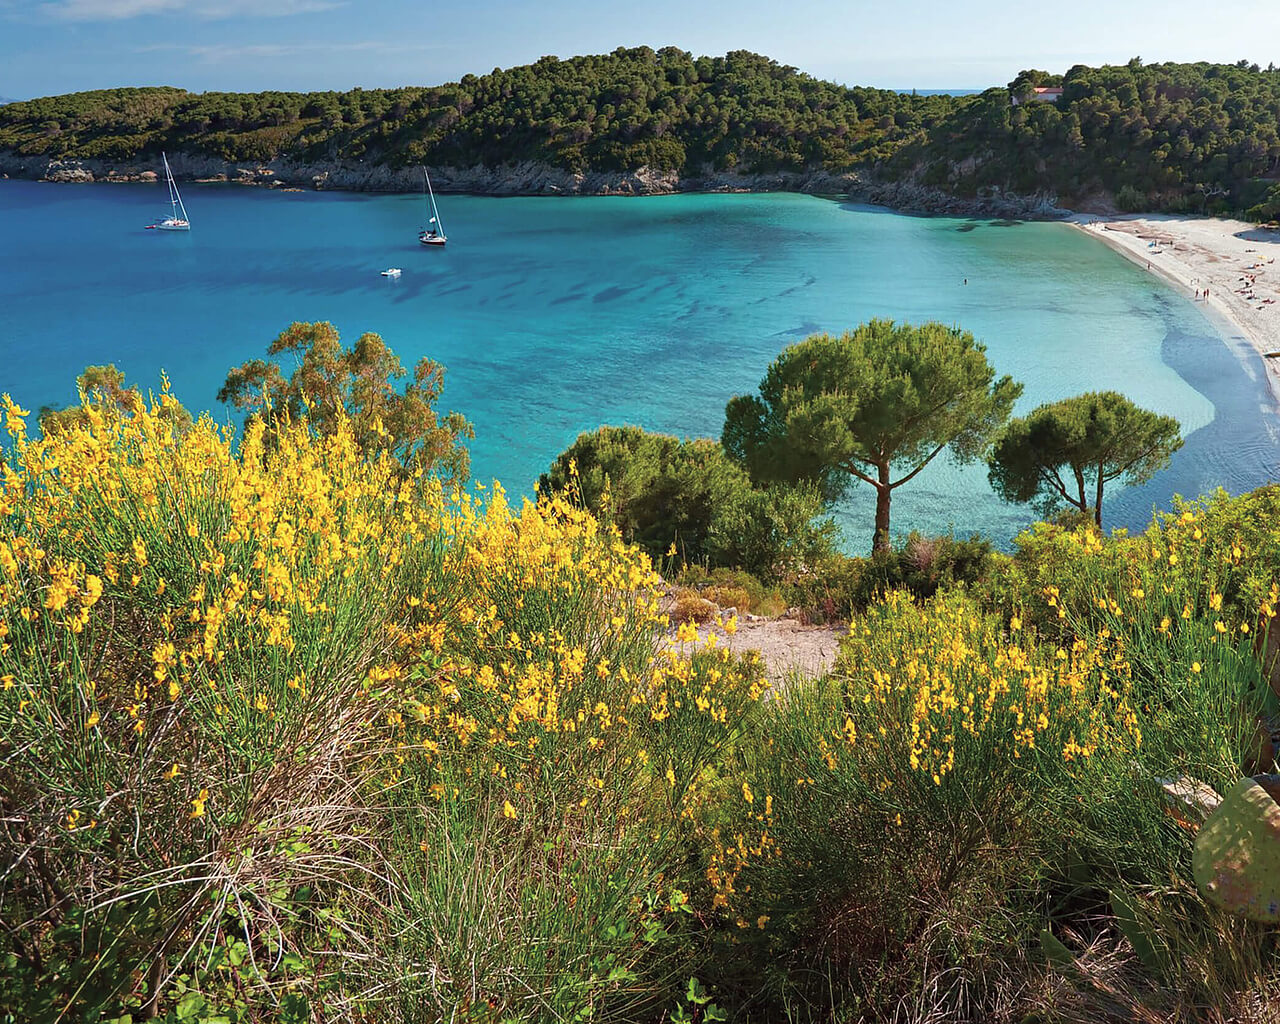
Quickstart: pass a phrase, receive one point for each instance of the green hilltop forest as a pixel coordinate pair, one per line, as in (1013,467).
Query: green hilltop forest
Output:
(1200,137)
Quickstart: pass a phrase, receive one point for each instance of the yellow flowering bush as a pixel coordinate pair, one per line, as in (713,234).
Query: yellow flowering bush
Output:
(551,751)
(282,696)
(984,766)
(1193,600)
(1216,556)
(949,760)
(946,691)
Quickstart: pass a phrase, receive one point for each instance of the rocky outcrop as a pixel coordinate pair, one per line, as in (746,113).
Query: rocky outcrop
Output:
(531,179)
(912,198)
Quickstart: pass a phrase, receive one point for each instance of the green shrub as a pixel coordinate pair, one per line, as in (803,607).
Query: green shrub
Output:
(1131,200)
(686,498)
(1268,208)
(839,587)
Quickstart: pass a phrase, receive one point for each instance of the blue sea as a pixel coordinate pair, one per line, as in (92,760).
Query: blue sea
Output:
(554,315)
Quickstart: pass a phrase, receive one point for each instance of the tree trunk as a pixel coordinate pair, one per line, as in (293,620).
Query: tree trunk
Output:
(1097,505)
(1084,502)
(884,493)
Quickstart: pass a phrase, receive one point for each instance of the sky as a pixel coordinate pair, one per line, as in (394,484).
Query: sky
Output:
(56,46)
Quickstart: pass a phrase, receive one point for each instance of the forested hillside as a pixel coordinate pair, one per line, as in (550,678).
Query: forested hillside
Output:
(631,108)
(1170,136)
(1159,136)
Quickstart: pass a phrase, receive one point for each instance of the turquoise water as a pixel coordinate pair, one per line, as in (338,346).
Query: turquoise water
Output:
(556,315)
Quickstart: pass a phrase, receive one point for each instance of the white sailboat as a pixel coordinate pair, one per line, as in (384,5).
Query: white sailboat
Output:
(173,222)
(433,233)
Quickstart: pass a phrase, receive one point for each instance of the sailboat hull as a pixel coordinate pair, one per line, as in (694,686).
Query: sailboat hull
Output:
(176,225)
(433,240)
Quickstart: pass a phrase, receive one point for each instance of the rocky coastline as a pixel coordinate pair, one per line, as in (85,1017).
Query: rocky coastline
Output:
(533,179)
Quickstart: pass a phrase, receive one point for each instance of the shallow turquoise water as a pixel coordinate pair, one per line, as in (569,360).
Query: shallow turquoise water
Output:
(556,315)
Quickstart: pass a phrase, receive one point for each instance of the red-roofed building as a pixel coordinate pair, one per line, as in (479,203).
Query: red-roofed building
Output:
(1043,94)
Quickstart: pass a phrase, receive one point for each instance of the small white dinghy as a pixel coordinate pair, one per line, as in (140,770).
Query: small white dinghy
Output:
(391,272)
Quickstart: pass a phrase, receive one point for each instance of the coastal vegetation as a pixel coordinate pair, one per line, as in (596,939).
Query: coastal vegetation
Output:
(1049,455)
(687,499)
(293,728)
(290,736)
(105,386)
(264,709)
(1181,137)
(359,389)
(751,514)
(875,405)
(632,108)
(967,811)
(1201,138)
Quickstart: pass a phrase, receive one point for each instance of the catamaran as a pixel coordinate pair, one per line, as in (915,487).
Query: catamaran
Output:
(433,233)
(172,222)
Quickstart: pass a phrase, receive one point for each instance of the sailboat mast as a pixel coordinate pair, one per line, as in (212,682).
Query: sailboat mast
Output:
(435,214)
(175,197)
(168,180)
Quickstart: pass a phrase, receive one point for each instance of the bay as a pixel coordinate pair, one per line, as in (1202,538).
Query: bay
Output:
(554,315)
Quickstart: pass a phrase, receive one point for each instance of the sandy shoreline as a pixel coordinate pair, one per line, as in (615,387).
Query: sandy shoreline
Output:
(1234,260)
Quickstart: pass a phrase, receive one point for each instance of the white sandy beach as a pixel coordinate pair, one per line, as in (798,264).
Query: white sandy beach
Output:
(1234,260)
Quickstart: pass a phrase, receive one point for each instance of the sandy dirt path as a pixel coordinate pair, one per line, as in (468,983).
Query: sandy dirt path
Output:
(787,646)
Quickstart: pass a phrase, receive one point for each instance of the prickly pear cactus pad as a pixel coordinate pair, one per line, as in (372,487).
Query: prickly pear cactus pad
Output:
(1237,855)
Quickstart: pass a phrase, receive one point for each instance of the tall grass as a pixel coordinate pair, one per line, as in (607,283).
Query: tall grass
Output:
(916,796)
(287,734)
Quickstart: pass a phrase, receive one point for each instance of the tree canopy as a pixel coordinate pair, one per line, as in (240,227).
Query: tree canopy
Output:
(104,386)
(329,381)
(631,108)
(876,404)
(1180,137)
(1202,137)
(662,491)
(1066,452)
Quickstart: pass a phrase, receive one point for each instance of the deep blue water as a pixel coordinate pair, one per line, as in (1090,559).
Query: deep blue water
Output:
(556,315)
